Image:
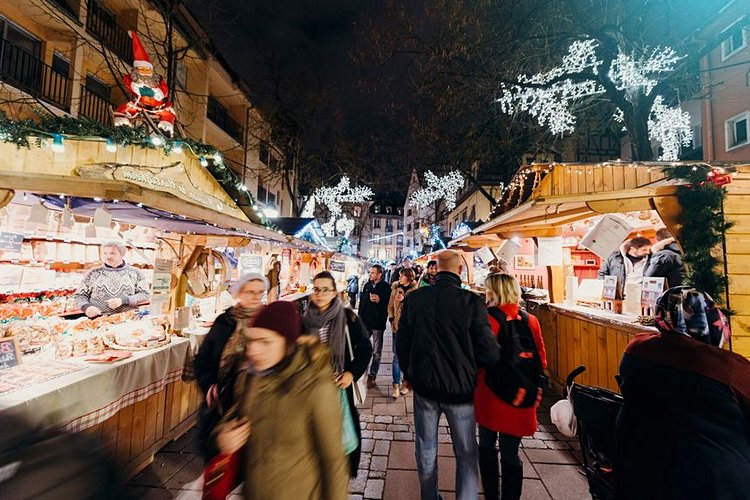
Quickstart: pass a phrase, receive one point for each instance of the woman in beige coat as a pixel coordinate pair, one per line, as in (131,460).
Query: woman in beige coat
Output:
(290,425)
(399,290)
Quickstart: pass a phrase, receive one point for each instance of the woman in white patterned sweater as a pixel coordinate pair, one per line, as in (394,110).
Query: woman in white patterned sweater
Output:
(112,288)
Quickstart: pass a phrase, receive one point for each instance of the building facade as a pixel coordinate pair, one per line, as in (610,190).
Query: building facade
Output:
(68,57)
(382,236)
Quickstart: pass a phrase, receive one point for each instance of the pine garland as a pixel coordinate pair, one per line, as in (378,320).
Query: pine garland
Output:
(703,226)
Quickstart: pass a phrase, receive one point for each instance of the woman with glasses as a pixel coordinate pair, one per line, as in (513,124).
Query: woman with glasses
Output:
(331,322)
(223,345)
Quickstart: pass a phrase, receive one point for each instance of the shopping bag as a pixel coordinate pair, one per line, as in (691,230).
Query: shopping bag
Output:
(221,476)
(359,387)
(349,431)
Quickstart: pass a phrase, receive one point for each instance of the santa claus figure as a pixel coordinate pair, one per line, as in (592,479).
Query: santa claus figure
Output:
(149,93)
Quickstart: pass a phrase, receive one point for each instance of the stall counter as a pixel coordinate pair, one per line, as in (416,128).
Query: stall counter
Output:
(133,407)
(577,335)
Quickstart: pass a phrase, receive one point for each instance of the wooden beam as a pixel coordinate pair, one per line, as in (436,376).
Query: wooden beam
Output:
(530,233)
(620,205)
(644,192)
(526,222)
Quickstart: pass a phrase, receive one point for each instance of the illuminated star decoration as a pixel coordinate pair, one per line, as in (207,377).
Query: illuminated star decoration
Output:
(437,188)
(549,96)
(333,197)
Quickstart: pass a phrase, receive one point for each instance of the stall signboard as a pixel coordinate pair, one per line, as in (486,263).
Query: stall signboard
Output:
(251,264)
(11,241)
(651,290)
(162,280)
(337,265)
(550,251)
(508,250)
(10,355)
(606,236)
(485,253)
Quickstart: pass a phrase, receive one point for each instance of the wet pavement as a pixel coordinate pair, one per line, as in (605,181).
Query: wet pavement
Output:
(388,468)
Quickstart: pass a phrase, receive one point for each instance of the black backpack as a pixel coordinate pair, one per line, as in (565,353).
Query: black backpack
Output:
(518,377)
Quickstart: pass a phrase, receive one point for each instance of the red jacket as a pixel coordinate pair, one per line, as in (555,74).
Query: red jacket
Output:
(494,413)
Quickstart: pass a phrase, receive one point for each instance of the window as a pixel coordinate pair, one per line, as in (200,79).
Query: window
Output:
(356,231)
(264,153)
(697,136)
(388,210)
(473,213)
(388,240)
(400,240)
(408,228)
(416,224)
(388,226)
(22,40)
(736,130)
(281,206)
(60,64)
(736,41)
(399,224)
(376,223)
(408,213)
(376,239)
(408,243)
(357,211)
(262,193)
(400,211)
(271,199)
(180,73)
(388,253)
(376,209)
(98,87)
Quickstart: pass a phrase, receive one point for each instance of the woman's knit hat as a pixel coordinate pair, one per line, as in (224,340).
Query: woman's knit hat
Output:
(281,317)
(238,285)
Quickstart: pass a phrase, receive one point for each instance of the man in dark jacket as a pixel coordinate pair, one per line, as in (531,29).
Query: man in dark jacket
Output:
(373,310)
(666,260)
(444,336)
(628,263)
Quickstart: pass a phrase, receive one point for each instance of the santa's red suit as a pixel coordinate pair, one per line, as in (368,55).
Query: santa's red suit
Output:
(149,92)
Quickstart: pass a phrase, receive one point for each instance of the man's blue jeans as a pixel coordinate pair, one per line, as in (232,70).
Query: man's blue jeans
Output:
(463,434)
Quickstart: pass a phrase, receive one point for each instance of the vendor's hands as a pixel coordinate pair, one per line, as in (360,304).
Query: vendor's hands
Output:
(233,435)
(114,303)
(212,396)
(93,311)
(343,380)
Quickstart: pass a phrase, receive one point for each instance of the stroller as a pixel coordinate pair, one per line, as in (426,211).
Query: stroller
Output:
(596,410)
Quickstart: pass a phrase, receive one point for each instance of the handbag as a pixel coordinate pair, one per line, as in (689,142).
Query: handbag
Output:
(223,473)
(349,435)
(359,388)
(564,418)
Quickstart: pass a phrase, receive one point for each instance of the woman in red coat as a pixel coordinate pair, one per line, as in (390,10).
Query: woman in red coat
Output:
(496,418)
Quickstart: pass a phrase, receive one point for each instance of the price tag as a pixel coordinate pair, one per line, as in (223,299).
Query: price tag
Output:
(10,355)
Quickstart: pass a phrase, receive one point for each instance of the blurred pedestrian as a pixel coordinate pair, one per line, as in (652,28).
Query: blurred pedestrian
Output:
(405,264)
(405,285)
(443,337)
(428,277)
(373,309)
(497,418)
(666,259)
(684,429)
(352,290)
(223,347)
(328,319)
(288,423)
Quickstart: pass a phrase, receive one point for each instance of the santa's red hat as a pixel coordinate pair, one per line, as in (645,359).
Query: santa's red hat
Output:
(140,57)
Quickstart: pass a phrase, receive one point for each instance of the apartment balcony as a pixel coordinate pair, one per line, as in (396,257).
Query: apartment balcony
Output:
(31,75)
(95,107)
(103,26)
(219,115)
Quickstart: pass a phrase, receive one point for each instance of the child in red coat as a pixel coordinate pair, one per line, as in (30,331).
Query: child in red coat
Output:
(495,417)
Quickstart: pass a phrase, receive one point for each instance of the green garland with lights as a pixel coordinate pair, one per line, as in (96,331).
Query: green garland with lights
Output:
(703,225)
(27,133)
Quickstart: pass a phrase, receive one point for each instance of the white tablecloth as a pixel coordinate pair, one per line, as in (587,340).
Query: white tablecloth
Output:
(90,396)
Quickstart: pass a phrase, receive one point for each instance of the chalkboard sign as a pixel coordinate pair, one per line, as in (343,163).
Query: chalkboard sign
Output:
(338,266)
(10,241)
(10,356)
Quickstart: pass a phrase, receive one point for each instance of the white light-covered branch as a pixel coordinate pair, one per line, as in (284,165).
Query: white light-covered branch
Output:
(436,188)
(670,127)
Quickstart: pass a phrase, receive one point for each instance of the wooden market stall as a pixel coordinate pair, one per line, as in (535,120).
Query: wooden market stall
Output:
(553,200)
(137,405)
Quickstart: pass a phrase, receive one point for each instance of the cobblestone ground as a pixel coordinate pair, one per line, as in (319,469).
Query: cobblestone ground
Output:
(388,468)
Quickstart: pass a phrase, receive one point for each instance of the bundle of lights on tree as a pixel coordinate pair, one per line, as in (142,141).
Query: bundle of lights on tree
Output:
(209,275)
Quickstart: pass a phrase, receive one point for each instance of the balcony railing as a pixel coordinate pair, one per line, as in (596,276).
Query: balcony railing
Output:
(218,114)
(30,74)
(95,107)
(101,24)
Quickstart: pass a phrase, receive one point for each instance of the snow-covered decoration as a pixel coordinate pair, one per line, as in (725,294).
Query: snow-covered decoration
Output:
(345,226)
(460,230)
(550,96)
(436,188)
(670,127)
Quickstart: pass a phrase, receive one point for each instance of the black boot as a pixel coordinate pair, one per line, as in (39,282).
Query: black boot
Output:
(512,480)
(488,471)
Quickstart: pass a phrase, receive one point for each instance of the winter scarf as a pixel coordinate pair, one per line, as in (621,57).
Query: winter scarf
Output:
(687,311)
(235,346)
(335,318)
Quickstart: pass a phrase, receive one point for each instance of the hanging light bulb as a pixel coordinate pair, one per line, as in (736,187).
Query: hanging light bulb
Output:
(177,147)
(57,143)
(204,162)
(111,146)
(156,140)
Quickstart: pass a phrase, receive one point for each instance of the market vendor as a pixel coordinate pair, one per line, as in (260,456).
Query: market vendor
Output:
(628,263)
(112,288)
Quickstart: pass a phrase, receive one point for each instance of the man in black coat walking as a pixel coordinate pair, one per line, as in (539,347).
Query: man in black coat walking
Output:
(443,338)
(373,310)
